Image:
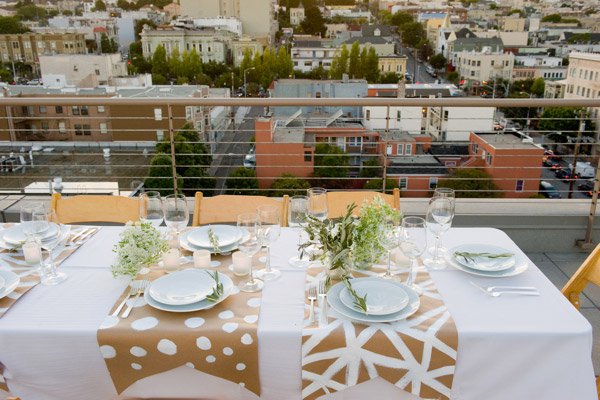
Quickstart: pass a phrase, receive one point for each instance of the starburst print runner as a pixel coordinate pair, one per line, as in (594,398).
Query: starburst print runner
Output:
(14,261)
(417,355)
(220,341)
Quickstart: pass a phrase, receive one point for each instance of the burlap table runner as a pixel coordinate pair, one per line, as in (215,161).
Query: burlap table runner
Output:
(221,341)
(15,262)
(417,355)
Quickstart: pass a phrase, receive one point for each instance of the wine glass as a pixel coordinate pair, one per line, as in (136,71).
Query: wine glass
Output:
(26,219)
(270,228)
(151,208)
(317,203)
(176,212)
(297,216)
(439,218)
(446,193)
(389,239)
(250,244)
(413,242)
(41,221)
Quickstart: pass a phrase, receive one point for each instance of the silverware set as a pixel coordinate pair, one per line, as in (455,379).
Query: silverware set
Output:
(136,289)
(80,238)
(317,292)
(497,291)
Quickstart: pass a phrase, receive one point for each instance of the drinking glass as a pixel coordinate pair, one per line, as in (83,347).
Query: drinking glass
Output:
(26,218)
(176,212)
(49,274)
(389,239)
(250,244)
(445,193)
(270,228)
(439,219)
(297,217)
(317,203)
(413,242)
(151,208)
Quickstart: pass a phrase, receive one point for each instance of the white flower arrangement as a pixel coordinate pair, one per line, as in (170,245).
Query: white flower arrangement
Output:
(141,244)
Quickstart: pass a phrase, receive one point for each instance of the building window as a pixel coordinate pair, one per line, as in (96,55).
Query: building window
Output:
(400,149)
(62,128)
(158,114)
(87,130)
(100,109)
(97,72)
(368,115)
(474,148)
(355,141)
(75,110)
(58,109)
(408,149)
(45,126)
(78,130)
(489,159)
(307,156)
(84,110)
(160,135)
(403,183)
(398,115)
(520,185)
(42,109)
(103,128)
(445,115)
(15,45)
(433,182)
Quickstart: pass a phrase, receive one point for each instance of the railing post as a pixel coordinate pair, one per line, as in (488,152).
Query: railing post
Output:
(385,143)
(576,153)
(172,140)
(587,242)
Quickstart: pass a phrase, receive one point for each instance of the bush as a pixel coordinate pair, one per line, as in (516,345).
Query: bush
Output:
(289,184)
(242,181)
(160,175)
(471,183)
(377,185)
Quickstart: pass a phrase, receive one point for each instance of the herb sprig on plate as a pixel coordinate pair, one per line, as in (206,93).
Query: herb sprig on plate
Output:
(214,240)
(470,257)
(218,289)
(360,302)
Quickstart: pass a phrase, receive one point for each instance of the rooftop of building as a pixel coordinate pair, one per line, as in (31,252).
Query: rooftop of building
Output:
(477,40)
(385,30)
(156,91)
(422,164)
(584,56)
(367,39)
(507,141)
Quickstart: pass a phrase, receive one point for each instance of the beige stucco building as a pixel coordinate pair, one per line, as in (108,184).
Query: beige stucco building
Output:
(256,15)
(512,24)
(583,80)
(393,63)
(82,70)
(479,67)
(297,15)
(239,47)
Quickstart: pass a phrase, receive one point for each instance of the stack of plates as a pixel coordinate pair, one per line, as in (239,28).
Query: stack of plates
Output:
(15,236)
(8,282)
(185,291)
(484,266)
(197,239)
(387,301)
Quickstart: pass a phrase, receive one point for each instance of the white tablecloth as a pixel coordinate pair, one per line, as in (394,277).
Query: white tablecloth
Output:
(509,347)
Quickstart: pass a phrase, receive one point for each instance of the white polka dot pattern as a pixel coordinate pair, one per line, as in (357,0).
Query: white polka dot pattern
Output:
(108,351)
(138,351)
(203,343)
(144,324)
(194,323)
(230,327)
(167,347)
(227,351)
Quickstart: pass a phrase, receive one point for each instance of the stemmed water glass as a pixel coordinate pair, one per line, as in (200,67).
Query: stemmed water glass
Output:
(413,242)
(26,219)
(389,239)
(176,212)
(270,228)
(439,218)
(41,221)
(151,208)
(297,216)
(250,244)
(444,193)
(317,203)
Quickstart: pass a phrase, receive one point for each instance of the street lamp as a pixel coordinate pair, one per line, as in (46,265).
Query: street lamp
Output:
(245,84)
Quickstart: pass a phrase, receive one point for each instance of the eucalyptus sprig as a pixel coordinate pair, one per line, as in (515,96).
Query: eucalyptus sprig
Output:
(218,289)
(214,240)
(470,257)
(359,302)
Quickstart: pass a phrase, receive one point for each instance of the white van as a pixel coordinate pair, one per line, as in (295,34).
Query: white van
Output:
(584,170)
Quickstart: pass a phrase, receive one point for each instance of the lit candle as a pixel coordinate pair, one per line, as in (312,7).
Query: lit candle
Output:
(202,259)
(32,253)
(171,260)
(241,263)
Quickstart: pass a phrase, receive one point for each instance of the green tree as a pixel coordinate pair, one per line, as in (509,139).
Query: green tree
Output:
(139,25)
(471,183)
(538,86)
(107,46)
(31,12)
(137,62)
(371,168)
(195,179)
(191,65)
(372,66)
(354,68)
(124,5)
(242,181)
(12,25)
(160,65)
(453,77)
(246,61)
(99,5)
(552,18)
(560,119)
(330,161)
(438,61)
(364,56)
(339,64)
(377,184)
(412,33)
(314,23)
(160,175)
(285,65)
(401,18)
(425,49)
(190,151)
(389,77)
(176,64)
(289,184)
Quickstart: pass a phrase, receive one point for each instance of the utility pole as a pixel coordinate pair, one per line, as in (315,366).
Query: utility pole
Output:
(232,107)
(576,152)
(415,66)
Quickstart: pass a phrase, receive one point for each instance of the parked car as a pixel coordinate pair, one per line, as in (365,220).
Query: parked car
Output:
(431,71)
(34,82)
(549,191)
(585,170)
(408,77)
(549,154)
(587,187)
(250,159)
(566,174)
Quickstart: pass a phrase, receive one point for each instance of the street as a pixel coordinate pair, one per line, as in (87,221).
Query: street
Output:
(562,187)
(234,145)
(421,75)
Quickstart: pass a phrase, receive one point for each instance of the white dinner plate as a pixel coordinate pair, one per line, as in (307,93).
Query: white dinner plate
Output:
(383,297)
(226,235)
(520,266)
(16,236)
(200,305)
(2,282)
(182,287)
(11,282)
(185,243)
(333,298)
(482,263)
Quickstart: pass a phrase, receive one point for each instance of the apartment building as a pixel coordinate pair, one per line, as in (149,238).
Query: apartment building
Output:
(297,15)
(313,52)
(82,70)
(257,16)
(452,124)
(583,80)
(476,67)
(27,47)
(382,46)
(393,63)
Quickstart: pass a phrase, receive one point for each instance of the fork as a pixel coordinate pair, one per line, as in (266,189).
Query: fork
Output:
(133,289)
(493,288)
(322,304)
(81,237)
(141,289)
(497,294)
(312,296)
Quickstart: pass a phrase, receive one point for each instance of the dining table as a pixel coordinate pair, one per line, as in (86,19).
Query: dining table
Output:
(509,347)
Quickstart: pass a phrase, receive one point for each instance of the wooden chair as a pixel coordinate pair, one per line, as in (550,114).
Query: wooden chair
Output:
(225,208)
(589,272)
(84,208)
(337,202)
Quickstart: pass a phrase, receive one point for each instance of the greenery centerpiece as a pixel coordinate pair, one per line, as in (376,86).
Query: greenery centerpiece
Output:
(140,244)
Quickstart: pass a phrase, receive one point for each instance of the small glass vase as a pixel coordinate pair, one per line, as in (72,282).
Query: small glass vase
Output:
(337,272)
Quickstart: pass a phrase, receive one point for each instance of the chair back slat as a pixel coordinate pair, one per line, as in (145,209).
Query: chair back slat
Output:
(86,208)
(226,208)
(338,202)
(589,272)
